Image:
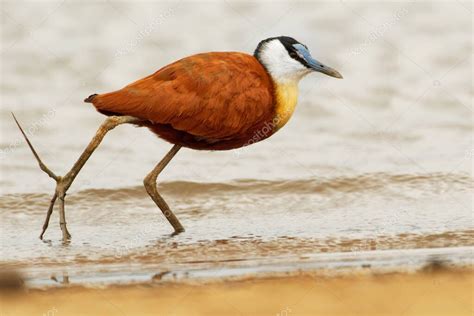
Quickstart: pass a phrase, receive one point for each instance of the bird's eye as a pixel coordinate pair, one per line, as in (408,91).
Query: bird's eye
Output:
(293,54)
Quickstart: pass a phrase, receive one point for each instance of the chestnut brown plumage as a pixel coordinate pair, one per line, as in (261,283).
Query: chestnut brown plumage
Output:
(210,101)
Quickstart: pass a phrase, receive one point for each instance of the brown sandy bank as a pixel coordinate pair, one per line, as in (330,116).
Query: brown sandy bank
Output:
(424,293)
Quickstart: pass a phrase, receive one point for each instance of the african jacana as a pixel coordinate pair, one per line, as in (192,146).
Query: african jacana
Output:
(209,101)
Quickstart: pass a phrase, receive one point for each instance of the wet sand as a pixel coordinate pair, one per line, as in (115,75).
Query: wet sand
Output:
(435,292)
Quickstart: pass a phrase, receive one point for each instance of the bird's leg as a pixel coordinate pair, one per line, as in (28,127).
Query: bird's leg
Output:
(150,186)
(62,217)
(63,183)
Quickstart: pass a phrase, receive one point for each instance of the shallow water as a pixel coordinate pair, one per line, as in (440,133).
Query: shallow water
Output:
(379,161)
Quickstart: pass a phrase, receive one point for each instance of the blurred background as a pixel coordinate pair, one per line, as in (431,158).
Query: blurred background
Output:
(379,160)
(405,103)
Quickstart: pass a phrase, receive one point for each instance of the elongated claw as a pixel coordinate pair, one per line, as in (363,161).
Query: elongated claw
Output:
(41,164)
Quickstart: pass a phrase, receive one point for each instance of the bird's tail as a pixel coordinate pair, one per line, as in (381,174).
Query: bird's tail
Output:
(90,98)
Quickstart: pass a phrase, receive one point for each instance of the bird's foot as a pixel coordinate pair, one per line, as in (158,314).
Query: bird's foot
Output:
(177,232)
(62,185)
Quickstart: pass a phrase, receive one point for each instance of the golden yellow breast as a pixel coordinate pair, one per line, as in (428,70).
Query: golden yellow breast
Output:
(286,99)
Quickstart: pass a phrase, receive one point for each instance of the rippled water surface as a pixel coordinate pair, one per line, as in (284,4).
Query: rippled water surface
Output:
(378,165)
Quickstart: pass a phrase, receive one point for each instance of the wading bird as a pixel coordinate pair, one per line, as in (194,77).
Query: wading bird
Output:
(209,101)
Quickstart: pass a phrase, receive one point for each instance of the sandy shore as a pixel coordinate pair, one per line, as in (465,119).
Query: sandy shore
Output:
(424,293)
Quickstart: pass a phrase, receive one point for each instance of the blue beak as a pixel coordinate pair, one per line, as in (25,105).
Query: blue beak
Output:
(314,64)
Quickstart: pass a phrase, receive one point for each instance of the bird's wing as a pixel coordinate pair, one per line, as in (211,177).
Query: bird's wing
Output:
(211,95)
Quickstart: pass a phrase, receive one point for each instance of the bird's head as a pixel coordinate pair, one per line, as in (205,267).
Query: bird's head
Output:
(286,59)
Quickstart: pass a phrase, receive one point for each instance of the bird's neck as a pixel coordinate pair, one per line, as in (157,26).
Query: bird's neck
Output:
(286,97)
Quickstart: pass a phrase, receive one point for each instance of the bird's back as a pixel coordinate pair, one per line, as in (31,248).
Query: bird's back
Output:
(213,100)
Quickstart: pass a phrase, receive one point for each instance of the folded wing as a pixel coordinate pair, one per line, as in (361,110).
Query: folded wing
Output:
(211,95)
